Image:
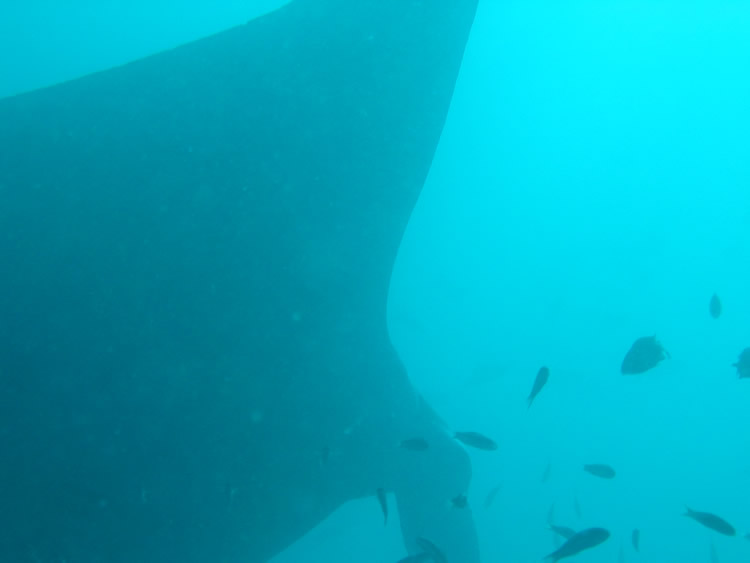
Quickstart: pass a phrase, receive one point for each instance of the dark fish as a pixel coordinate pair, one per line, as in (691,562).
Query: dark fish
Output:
(460,501)
(475,440)
(600,470)
(415,444)
(747,536)
(491,497)
(635,539)
(432,550)
(562,531)
(743,364)
(581,541)
(547,472)
(541,380)
(711,521)
(383,500)
(644,354)
(714,306)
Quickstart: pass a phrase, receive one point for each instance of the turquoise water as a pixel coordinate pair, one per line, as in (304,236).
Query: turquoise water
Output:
(591,187)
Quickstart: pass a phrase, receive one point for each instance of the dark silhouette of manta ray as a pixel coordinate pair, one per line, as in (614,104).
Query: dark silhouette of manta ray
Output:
(196,251)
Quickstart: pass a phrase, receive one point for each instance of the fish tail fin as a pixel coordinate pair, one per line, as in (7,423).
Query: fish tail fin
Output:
(688,511)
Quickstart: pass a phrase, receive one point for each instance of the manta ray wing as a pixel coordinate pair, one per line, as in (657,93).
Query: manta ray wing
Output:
(197,248)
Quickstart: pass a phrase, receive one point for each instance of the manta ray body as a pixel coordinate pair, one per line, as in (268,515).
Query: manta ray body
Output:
(196,249)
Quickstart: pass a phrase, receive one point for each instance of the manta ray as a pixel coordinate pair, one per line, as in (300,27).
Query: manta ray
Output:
(196,253)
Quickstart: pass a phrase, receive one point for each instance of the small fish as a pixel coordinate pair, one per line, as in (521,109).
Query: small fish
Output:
(432,550)
(491,497)
(635,539)
(475,440)
(600,470)
(743,364)
(577,507)
(547,472)
(747,536)
(644,354)
(383,500)
(541,380)
(460,501)
(415,444)
(582,541)
(621,555)
(714,306)
(562,531)
(711,521)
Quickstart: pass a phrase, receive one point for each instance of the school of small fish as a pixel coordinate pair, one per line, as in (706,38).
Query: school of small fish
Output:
(644,354)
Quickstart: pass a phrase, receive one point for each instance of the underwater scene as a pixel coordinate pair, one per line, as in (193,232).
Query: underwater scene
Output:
(375,280)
